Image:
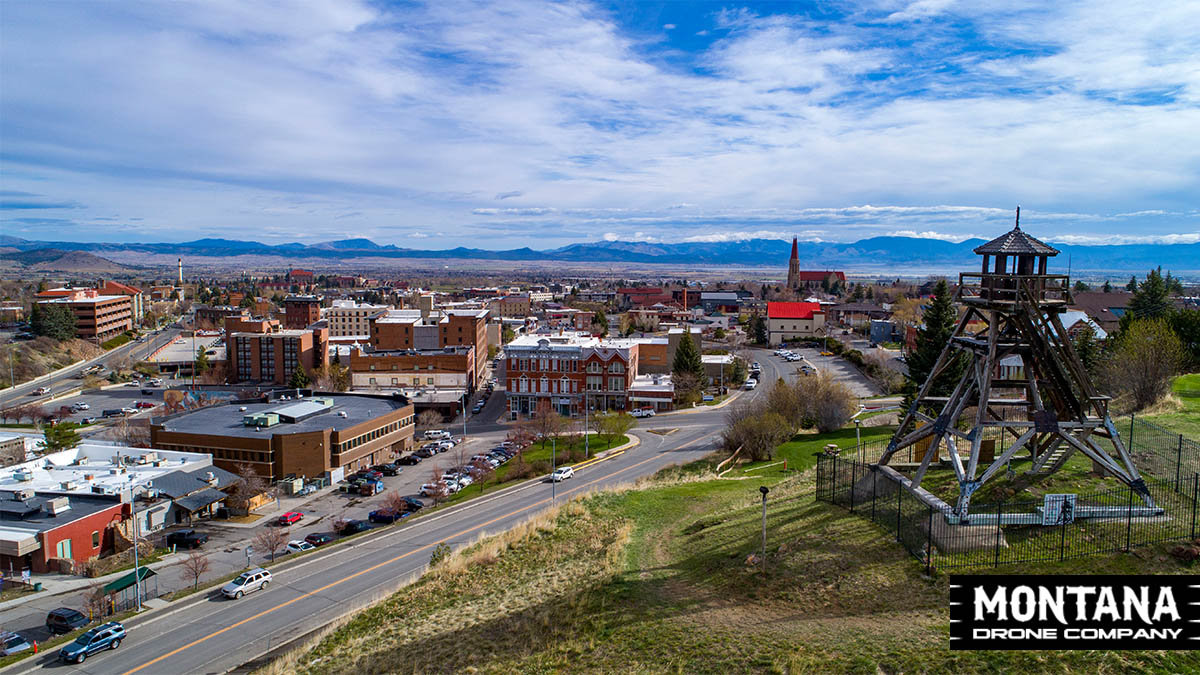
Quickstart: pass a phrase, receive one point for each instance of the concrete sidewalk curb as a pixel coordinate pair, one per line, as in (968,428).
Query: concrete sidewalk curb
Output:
(704,408)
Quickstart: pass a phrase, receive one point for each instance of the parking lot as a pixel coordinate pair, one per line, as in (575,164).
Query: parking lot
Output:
(839,368)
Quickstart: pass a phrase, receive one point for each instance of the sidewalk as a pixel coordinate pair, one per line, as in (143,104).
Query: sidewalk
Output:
(58,584)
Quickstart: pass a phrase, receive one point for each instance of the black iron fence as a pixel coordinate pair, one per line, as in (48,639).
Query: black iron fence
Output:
(1053,529)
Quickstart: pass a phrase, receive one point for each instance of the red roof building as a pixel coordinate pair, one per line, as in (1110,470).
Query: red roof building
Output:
(794,321)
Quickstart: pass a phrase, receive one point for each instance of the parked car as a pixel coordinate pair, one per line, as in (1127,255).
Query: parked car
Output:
(319,538)
(187,539)
(370,474)
(12,643)
(643,412)
(750,384)
(146,391)
(409,460)
(826,353)
(128,410)
(425,453)
(429,489)
(132,383)
(387,516)
(41,391)
(80,405)
(290,517)
(436,434)
(64,620)
(100,638)
(562,473)
(89,420)
(247,582)
(413,504)
(755,367)
(142,405)
(298,546)
(390,469)
(354,527)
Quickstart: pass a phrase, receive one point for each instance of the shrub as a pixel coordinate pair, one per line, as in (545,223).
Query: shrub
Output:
(441,553)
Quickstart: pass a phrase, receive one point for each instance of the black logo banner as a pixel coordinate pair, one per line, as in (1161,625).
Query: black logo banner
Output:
(1045,611)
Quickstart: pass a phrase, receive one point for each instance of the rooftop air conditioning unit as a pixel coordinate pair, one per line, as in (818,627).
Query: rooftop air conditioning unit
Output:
(67,485)
(89,476)
(23,475)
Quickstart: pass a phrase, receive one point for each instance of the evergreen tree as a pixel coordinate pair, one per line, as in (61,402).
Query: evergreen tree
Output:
(1080,287)
(759,330)
(1107,286)
(299,379)
(687,357)
(52,320)
(201,364)
(1132,285)
(1087,348)
(939,320)
(61,436)
(1149,301)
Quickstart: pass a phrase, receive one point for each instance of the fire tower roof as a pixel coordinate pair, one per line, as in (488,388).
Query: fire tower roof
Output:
(1016,242)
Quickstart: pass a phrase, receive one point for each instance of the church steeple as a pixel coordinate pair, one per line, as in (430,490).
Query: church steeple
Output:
(793,280)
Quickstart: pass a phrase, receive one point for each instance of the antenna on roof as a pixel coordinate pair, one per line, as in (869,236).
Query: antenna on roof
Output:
(1018,225)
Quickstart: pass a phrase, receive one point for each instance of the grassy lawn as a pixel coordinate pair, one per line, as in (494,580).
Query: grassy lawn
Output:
(1185,421)
(656,579)
(117,341)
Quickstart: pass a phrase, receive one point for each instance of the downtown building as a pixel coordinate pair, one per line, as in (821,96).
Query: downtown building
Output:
(569,371)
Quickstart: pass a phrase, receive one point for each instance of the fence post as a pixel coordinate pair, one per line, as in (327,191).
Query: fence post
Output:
(1130,432)
(874,477)
(1129,523)
(853,477)
(999,531)
(1178,461)
(1195,494)
(1062,531)
(929,543)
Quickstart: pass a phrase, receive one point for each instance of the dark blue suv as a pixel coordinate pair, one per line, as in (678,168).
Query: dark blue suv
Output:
(107,636)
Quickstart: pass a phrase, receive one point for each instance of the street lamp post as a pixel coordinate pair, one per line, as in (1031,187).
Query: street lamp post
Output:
(137,577)
(858,437)
(553,483)
(464,409)
(586,428)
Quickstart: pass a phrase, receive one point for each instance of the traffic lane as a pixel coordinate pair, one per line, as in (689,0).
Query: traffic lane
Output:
(23,393)
(383,563)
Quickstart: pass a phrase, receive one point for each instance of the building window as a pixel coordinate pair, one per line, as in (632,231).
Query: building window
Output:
(64,549)
(616,367)
(95,540)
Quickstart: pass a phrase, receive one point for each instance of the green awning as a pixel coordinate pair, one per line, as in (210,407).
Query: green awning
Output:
(125,581)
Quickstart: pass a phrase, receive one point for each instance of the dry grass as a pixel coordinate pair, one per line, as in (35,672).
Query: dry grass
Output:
(655,578)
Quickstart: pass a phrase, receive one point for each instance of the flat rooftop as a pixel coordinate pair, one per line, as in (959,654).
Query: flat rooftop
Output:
(181,350)
(226,420)
(48,473)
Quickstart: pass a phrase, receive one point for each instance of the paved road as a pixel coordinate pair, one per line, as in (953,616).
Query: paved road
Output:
(134,351)
(214,635)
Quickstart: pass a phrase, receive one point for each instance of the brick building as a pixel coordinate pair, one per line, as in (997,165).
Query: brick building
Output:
(422,329)
(323,434)
(214,316)
(511,306)
(348,318)
(97,317)
(257,351)
(449,368)
(137,299)
(568,368)
(301,311)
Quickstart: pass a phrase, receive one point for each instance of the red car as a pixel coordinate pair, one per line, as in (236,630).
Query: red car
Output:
(290,517)
(143,404)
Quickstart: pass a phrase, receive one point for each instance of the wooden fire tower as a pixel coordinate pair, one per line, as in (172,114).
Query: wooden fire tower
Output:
(1047,406)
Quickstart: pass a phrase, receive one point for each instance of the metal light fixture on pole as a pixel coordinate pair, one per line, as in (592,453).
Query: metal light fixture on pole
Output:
(464,409)
(858,437)
(137,577)
(763,489)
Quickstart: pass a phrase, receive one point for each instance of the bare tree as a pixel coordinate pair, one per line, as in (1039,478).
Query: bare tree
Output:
(483,472)
(194,566)
(429,419)
(828,402)
(520,437)
(438,490)
(689,388)
(340,522)
(271,539)
(96,602)
(247,488)
(393,502)
(546,422)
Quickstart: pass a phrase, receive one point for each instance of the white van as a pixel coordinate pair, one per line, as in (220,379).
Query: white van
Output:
(751,383)
(436,435)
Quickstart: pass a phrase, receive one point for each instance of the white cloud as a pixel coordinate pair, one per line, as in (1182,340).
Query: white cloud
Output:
(669,26)
(233,118)
(930,234)
(1087,239)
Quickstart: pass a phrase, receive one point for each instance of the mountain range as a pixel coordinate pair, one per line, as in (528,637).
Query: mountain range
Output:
(895,254)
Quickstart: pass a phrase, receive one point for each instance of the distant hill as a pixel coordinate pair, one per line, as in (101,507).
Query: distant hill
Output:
(57,260)
(888,255)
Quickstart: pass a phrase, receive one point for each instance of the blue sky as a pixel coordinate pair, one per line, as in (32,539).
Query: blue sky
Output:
(506,124)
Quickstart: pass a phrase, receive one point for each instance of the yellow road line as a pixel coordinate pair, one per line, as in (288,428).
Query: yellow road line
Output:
(370,569)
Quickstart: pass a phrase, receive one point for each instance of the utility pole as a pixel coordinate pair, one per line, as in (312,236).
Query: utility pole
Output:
(464,409)
(586,428)
(763,489)
(858,437)
(553,483)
